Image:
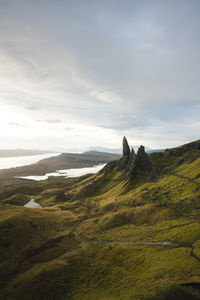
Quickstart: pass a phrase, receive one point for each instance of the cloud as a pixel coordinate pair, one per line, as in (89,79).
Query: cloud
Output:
(15,124)
(124,67)
(109,97)
(49,121)
(32,107)
(68,128)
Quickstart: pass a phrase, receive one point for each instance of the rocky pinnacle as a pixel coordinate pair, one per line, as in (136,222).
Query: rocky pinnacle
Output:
(126,148)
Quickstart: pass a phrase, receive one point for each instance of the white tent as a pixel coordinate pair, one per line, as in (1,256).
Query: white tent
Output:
(32,204)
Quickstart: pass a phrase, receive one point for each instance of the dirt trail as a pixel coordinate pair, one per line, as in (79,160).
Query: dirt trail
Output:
(150,243)
(131,243)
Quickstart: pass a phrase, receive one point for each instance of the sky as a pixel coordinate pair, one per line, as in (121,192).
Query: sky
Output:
(76,74)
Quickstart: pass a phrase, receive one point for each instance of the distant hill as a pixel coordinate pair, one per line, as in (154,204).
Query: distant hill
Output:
(60,162)
(21,152)
(104,153)
(155,150)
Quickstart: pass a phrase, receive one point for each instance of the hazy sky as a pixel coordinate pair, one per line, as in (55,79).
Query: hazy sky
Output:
(76,73)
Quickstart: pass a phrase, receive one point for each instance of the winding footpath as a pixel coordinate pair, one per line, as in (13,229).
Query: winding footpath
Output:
(150,243)
(164,243)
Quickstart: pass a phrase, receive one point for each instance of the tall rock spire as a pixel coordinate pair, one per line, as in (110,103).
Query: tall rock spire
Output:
(123,162)
(126,148)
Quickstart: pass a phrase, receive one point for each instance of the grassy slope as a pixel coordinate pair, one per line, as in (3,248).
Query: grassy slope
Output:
(71,248)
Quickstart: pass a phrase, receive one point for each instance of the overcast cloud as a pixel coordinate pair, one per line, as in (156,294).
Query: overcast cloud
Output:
(79,73)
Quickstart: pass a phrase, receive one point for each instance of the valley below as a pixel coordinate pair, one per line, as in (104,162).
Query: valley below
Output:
(10,176)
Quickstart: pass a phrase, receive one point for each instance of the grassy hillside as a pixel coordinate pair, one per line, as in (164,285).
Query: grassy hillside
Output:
(106,236)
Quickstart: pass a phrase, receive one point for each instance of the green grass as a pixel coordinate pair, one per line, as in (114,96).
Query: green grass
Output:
(126,271)
(67,249)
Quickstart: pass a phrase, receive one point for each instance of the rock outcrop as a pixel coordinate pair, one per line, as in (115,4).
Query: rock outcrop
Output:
(130,163)
(142,160)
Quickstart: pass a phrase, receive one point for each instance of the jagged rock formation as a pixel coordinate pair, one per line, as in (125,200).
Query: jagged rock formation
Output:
(133,163)
(130,162)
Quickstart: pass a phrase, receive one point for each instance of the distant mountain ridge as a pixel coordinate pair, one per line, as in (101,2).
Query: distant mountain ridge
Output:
(92,150)
(119,150)
(95,152)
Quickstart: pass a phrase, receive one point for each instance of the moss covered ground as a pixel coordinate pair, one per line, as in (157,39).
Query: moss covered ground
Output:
(103,236)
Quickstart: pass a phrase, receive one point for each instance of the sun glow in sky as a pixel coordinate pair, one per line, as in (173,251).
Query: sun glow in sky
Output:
(75,74)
